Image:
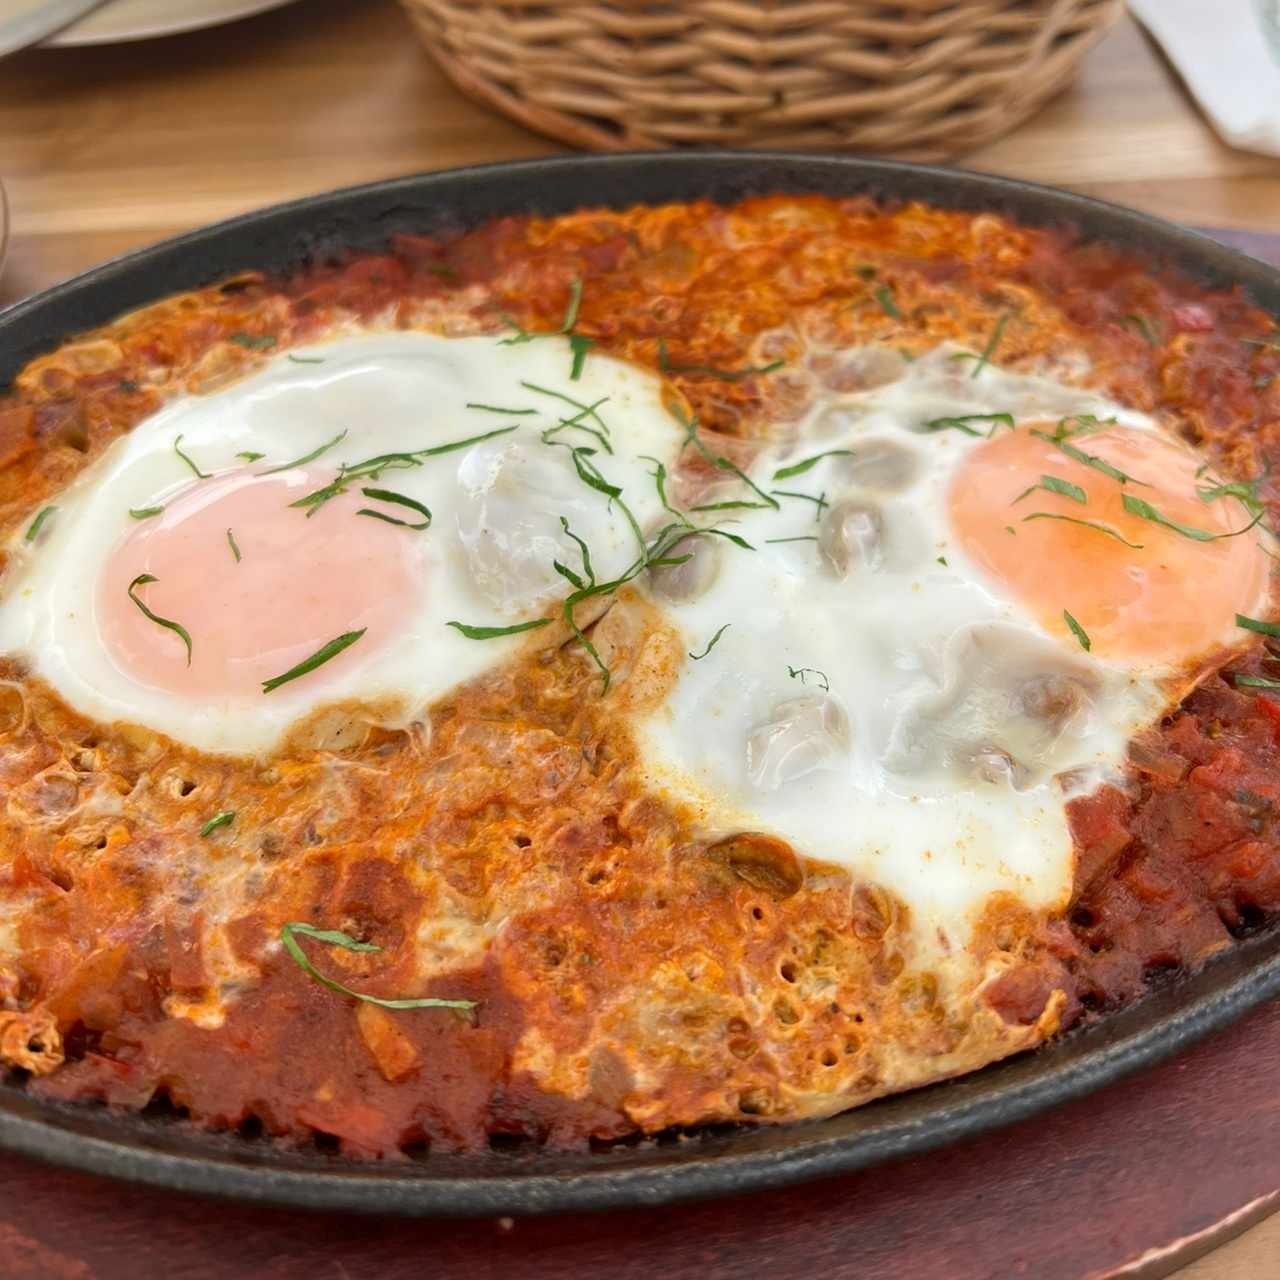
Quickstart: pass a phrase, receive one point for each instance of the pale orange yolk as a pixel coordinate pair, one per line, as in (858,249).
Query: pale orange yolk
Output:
(299,583)
(1170,601)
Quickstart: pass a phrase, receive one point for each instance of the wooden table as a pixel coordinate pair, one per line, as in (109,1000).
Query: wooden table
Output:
(106,149)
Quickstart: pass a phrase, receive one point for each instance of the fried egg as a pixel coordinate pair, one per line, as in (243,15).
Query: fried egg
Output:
(324,520)
(975,588)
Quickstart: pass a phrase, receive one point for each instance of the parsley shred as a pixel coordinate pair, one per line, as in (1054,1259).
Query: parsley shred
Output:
(1144,510)
(884,296)
(289,934)
(223,819)
(33,529)
(992,343)
(177,448)
(1078,631)
(1271,629)
(492,633)
(317,659)
(711,644)
(799,673)
(1087,524)
(799,468)
(142,580)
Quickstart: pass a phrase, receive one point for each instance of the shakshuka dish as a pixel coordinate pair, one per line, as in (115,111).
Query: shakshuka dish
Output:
(613,673)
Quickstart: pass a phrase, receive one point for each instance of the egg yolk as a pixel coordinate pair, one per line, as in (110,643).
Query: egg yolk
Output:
(1141,591)
(257,584)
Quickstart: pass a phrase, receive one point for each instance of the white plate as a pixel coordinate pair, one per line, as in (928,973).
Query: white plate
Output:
(142,19)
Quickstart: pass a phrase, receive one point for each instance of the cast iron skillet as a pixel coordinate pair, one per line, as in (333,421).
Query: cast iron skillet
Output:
(168,1152)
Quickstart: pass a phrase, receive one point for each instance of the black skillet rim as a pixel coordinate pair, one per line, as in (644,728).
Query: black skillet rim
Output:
(175,1156)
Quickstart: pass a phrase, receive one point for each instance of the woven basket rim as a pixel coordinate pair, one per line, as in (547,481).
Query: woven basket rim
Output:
(920,78)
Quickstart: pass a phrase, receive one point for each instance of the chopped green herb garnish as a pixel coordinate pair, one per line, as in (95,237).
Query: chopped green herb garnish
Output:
(659,474)
(1137,507)
(961,423)
(884,296)
(317,659)
(305,359)
(992,343)
(1086,524)
(818,500)
(144,513)
(492,633)
(1089,459)
(576,423)
(372,468)
(1052,484)
(390,495)
(1255,682)
(307,457)
(799,673)
(942,560)
(1064,488)
(263,342)
(866,271)
(497,408)
(583,550)
(711,644)
(710,371)
(1271,629)
(566,325)
(571,311)
(177,448)
(1143,326)
(128,386)
(585,410)
(1245,492)
(335,938)
(809,537)
(730,506)
(1078,631)
(33,529)
(799,468)
(1085,424)
(720,463)
(231,542)
(579,345)
(142,580)
(585,585)
(223,819)
(249,456)
(437,450)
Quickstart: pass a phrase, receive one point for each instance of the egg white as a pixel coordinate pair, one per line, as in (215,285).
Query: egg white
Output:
(487,556)
(910,662)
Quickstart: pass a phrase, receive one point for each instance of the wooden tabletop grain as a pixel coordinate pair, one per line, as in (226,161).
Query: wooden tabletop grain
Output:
(106,149)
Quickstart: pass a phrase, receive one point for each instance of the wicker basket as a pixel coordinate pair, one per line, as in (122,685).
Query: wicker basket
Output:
(923,79)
